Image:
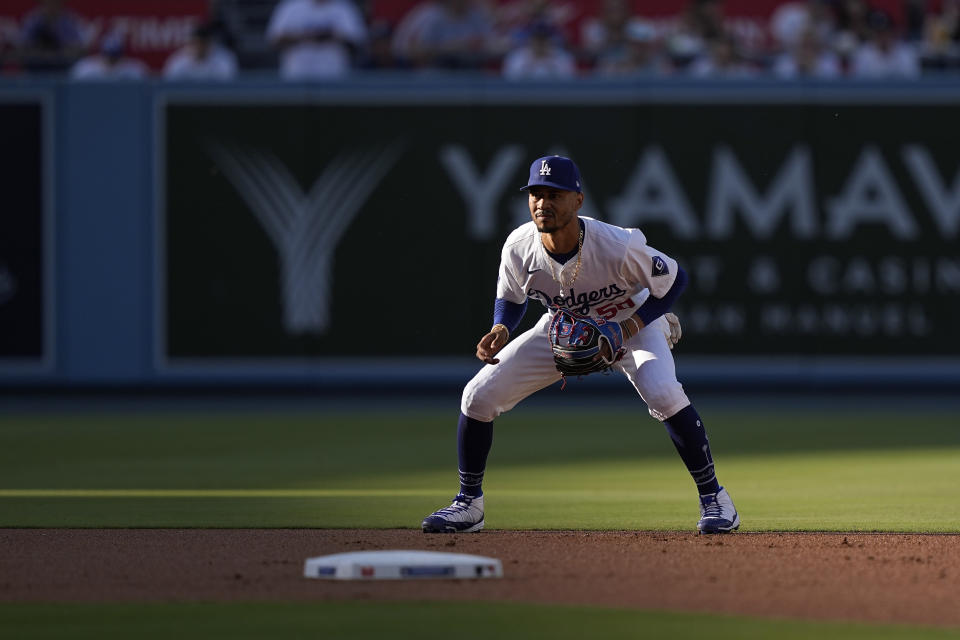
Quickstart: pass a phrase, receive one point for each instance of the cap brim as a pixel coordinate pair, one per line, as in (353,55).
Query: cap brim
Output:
(549,184)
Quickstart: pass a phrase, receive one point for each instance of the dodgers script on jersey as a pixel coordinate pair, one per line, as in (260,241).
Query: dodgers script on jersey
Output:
(620,271)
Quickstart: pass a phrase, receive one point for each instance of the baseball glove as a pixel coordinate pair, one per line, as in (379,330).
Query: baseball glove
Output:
(582,346)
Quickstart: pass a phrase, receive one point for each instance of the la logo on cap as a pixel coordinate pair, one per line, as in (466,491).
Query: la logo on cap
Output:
(544,168)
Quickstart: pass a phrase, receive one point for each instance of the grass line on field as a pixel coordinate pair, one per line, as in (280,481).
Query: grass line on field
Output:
(288,493)
(212,493)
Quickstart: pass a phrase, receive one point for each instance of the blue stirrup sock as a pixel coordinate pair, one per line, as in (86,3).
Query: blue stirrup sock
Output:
(690,438)
(474,439)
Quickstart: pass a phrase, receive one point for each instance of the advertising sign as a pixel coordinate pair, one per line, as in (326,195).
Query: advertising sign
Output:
(151,29)
(301,231)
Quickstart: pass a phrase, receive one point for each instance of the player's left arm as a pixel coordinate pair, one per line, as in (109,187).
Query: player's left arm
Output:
(654,307)
(660,274)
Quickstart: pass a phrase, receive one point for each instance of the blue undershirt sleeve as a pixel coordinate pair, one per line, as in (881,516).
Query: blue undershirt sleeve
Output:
(653,308)
(509,314)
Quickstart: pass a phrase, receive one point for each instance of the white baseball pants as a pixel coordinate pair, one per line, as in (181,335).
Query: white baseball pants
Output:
(526,366)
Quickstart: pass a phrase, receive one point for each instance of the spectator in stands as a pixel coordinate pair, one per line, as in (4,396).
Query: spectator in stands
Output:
(722,58)
(853,20)
(407,37)
(110,63)
(884,54)
(512,21)
(453,34)
(606,34)
(316,38)
(541,57)
(941,37)
(792,22)
(700,23)
(51,38)
(808,57)
(378,54)
(203,58)
(703,19)
(222,19)
(681,49)
(638,55)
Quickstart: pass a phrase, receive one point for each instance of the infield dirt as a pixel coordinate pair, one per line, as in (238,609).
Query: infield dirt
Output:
(905,578)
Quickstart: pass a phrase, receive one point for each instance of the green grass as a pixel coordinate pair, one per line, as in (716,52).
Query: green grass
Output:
(414,620)
(788,468)
(802,469)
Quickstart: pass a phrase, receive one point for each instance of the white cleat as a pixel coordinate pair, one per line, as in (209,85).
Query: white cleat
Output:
(717,513)
(465,515)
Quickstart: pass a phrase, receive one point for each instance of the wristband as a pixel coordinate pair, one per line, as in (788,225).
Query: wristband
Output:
(500,324)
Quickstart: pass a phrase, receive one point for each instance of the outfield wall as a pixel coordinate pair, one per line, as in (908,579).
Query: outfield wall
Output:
(264,233)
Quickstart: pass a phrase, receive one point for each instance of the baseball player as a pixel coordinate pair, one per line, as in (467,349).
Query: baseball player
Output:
(597,282)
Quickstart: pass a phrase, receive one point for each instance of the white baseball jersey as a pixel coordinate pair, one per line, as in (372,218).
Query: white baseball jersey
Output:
(619,271)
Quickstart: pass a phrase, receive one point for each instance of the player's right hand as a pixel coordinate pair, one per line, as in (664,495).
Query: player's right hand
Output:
(491,343)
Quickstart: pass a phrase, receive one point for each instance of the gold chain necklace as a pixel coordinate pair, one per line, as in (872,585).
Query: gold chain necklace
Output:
(576,270)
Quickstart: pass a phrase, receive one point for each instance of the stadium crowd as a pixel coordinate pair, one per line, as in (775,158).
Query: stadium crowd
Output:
(521,39)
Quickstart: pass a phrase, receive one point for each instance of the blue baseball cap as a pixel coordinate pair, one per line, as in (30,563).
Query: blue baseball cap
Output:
(554,171)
